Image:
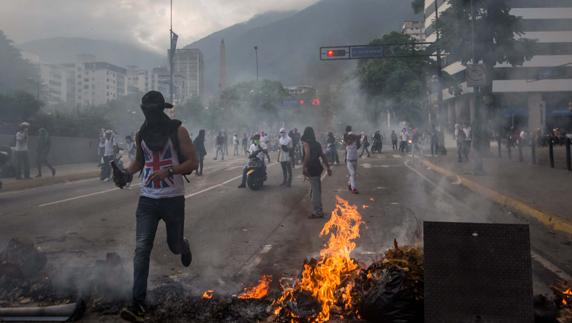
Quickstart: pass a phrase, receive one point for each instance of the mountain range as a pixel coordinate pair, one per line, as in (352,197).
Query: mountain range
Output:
(65,49)
(288,43)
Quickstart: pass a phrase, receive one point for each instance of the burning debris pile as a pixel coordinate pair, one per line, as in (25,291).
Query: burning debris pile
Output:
(26,278)
(337,286)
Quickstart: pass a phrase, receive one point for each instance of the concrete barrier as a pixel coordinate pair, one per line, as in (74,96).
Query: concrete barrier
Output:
(64,150)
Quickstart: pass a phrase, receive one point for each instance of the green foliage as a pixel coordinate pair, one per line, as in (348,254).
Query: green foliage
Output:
(83,124)
(397,84)
(18,106)
(16,74)
(496,33)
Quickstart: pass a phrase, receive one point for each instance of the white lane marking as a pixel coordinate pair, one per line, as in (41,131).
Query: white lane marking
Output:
(541,260)
(366,165)
(457,181)
(86,195)
(550,266)
(256,260)
(397,156)
(116,188)
(212,187)
(78,197)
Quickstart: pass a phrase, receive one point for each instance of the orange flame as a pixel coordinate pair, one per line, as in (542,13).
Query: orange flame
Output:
(566,294)
(208,294)
(323,279)
(258,291)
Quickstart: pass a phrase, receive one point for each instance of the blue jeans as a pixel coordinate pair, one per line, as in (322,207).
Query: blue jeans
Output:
(149,212)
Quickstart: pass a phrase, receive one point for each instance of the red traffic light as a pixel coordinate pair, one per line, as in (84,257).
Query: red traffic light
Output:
(301,102)
(316,102)
(330,53)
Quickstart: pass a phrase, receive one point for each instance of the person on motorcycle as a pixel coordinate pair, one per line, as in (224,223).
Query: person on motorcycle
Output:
(332,149)
(255,151)
(285,157)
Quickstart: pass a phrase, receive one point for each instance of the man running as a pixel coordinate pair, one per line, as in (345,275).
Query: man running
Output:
(164,153)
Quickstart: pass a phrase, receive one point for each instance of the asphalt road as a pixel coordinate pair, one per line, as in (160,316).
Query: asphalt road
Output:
(237,234)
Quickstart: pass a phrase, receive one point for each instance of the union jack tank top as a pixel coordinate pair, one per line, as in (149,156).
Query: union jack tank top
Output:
(158,160)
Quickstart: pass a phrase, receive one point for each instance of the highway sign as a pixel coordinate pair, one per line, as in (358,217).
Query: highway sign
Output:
(357,52)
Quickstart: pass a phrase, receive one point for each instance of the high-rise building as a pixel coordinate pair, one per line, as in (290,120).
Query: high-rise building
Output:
(222,67)
(53,84)
(98,83)
(414,29)
(529,96)
(138,80)
(188,63)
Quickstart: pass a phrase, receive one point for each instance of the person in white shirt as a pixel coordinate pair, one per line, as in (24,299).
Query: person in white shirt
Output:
(21,151)
(285,156)
(235,143)
(257,150)
(108,154)
(352,143)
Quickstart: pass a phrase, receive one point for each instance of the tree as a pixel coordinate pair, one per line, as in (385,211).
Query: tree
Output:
(18,106)
(483,31)
(16,74)
(397,84)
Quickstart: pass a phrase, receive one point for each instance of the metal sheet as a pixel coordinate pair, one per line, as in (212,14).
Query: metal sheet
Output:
(477,273)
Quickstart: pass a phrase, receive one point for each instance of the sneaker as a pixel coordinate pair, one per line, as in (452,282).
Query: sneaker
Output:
(349,187)
(186,255)
(133,313)
(355,191)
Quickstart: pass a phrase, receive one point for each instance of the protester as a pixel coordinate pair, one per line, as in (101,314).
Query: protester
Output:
(219,144)
(312,168)
(393,140)
(403,136)
(201,151)
(377,145)
(285,157)
(225,143)
(352,143)
(164,153)
(460,137)
(434,142)
(295,135)
(109,146)
(245,144)
(131,148)
(365,144)
(21,151)
(42,151)
(331,142)
(255,150)
(468,141)
(235,144)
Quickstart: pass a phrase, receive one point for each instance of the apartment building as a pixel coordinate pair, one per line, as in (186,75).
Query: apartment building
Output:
(535,95)
(188,63)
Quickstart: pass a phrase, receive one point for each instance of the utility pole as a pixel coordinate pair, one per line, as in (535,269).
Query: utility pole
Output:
(171,56)
(439,111)
(256,56)
(477,132)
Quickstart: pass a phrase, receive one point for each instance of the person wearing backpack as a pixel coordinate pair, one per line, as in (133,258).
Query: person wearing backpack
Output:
(312,168)
(165,152)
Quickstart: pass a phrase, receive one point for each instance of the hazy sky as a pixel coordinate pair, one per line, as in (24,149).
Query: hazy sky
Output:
(140,21)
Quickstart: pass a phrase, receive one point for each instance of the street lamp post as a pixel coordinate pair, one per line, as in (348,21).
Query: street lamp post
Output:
(256,57)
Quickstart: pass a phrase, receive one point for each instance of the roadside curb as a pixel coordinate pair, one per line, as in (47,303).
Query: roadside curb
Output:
(552,221)
(44,181)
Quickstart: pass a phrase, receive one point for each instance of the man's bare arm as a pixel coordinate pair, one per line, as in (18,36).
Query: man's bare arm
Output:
(188,150)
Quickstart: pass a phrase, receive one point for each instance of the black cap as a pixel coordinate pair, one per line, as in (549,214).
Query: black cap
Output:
(155,98)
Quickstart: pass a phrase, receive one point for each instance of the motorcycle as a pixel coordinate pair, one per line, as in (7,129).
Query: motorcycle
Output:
(256,173)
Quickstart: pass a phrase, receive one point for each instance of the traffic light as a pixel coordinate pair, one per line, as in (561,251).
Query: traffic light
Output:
(301,102)
(333,53)
(316,102)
